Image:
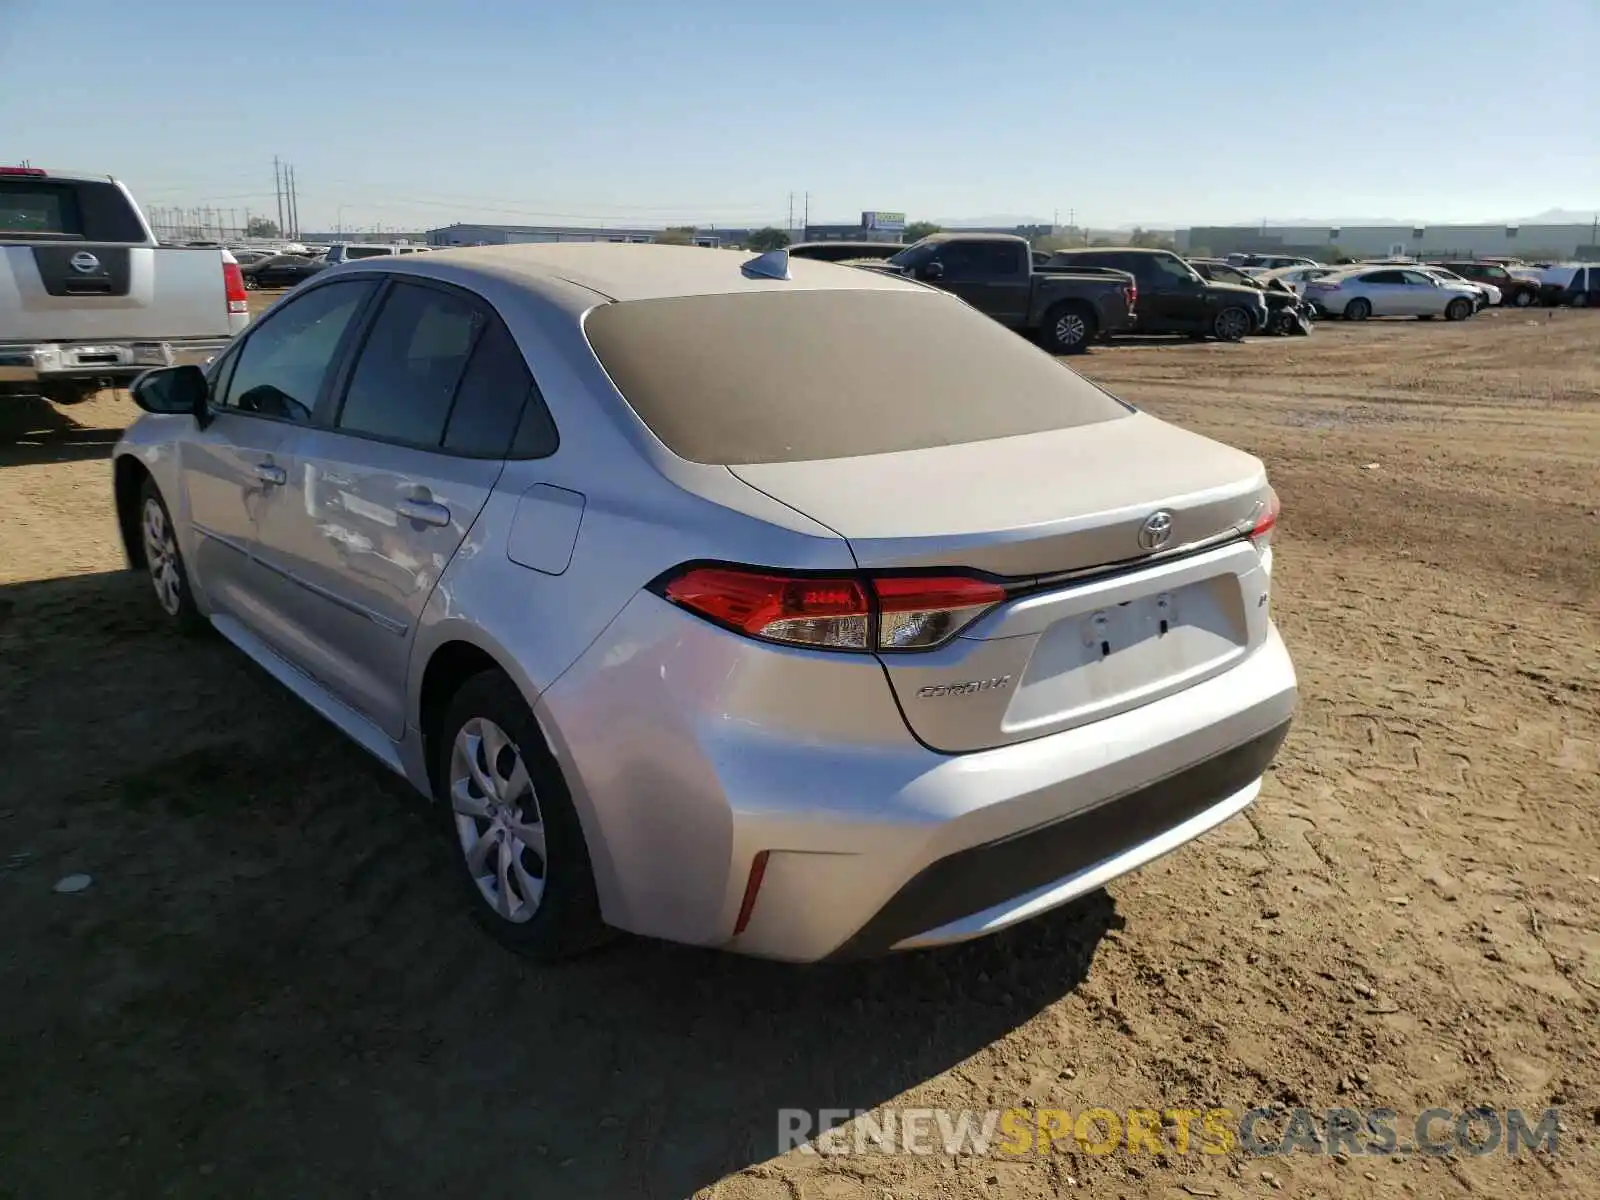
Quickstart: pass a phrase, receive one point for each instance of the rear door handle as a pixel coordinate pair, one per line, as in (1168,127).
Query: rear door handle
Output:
(271,474)
(425,511)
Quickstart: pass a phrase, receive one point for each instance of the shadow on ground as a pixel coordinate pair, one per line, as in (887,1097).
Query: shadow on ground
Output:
(270,988)
(32,430)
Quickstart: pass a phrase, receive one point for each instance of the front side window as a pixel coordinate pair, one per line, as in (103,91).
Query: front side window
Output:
(1175,269)
(413,358)
(281,368)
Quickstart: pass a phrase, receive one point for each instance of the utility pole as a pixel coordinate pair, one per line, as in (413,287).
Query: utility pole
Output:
(805,221)
(294,205)
(277,188)
(791,215)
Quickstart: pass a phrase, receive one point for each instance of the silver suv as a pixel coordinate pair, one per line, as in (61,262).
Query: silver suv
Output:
(771,605)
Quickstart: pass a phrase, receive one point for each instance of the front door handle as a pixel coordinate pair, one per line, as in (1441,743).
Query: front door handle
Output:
(424,511)
(271,474)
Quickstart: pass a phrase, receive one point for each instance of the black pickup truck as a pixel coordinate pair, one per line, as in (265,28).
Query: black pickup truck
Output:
(1172,298)
(995,273)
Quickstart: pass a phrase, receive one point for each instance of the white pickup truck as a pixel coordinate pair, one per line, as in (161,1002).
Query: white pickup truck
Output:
(89,297)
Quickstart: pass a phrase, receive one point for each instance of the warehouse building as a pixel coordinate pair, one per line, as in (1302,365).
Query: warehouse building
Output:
(508,235)
(1399,241)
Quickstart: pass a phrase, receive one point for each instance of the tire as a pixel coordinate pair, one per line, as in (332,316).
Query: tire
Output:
(1579,300)
(250,283)
(163,561)
(545,917)
(1068,329)
(1522,299)
(1425,317)
(1458,309)
(1358,309)
(1231,325)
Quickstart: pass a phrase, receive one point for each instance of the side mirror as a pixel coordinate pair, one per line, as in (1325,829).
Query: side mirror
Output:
(172,390)
(932,271)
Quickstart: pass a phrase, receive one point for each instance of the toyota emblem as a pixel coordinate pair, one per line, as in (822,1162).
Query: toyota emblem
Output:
(85,263)
(1156,531)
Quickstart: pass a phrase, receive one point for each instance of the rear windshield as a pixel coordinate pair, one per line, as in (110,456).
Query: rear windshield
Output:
(367,251)
(795,376)
(67,210)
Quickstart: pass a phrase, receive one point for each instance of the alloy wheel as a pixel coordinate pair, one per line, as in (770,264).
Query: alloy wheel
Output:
(497,820)
(161,556)
(1071,329)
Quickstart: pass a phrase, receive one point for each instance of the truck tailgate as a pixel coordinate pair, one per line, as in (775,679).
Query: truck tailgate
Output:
(52,292)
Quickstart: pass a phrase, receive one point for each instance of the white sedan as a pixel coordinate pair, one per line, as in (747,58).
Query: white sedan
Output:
(1296,278)
(1384,291)
(1491,294)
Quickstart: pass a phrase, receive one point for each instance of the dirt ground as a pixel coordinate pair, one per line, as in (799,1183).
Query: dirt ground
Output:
(268,990)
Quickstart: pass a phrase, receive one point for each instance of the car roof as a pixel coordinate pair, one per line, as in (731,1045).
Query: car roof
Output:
(948,235)
(621,271)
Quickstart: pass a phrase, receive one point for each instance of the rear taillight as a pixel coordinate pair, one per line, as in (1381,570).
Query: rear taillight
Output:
(1132,292)
(30,172)
(233,282)
(1261,532)
(861,613)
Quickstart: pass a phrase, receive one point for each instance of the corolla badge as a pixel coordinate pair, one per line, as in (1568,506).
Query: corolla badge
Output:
(970,688)
(84,263)
(1156,531)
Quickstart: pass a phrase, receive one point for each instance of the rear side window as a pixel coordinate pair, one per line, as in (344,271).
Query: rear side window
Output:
(413,358)
(355,252)
(1383,277)
(490,404)
(770,377)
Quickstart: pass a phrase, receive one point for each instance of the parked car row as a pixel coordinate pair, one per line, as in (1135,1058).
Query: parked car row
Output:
(1071,299)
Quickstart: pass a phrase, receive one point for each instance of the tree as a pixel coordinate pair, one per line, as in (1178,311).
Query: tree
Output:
(676,235)
(918,230)
(261,227)
(767,239)
(1151,239)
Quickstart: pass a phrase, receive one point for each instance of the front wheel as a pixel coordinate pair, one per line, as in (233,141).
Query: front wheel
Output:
(1458,309)
(1231,325)
(163,561)
(1580,300)
(1358,309)
(1068,329)
(506,810)
(1522,299)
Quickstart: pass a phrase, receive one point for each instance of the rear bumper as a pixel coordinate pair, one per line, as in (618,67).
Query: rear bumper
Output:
(691,752)
(985,888)
(52,362)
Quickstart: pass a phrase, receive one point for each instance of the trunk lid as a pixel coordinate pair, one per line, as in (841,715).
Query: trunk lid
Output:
(128,293)
(1098,621)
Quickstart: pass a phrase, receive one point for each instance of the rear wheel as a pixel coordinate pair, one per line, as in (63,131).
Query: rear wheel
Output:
(1231,325)
(1068,329)
(250,283)
(1458,309)
(1523,298)
(1358,309)
(507,813)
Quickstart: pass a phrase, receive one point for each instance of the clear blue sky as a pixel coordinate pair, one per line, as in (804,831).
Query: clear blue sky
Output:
(517,111)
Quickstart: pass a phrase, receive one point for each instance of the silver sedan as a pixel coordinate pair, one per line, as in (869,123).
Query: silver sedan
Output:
(765,604)
(1389,291)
